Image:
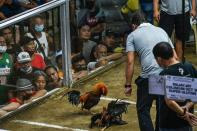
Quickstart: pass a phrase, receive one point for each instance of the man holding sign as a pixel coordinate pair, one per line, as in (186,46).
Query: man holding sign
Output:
(174,115)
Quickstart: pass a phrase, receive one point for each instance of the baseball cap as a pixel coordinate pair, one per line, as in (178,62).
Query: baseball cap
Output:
(26,40)
(23,57)
(23,84)
(109,33)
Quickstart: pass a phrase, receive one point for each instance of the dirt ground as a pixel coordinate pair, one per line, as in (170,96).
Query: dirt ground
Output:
(57,111)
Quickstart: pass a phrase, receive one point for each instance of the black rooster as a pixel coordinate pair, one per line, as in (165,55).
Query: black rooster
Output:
(110,116)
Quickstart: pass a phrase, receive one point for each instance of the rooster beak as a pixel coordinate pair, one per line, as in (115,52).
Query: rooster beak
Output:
(104,91)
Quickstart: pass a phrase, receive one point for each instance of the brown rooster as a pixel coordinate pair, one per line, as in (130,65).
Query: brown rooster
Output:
(89,99)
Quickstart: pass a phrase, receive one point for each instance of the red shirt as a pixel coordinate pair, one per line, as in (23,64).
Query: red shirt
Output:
(38,61)
(15,100)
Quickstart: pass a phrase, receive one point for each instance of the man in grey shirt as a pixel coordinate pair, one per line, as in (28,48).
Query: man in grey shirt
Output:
(171,17)
(142,40)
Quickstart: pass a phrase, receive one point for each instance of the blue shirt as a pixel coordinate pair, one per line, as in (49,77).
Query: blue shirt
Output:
(142,41)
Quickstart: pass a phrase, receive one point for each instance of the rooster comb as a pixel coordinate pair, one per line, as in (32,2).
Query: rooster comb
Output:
(102,87)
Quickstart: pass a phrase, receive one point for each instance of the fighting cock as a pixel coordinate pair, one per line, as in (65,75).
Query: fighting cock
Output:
(112,115)
(89,99)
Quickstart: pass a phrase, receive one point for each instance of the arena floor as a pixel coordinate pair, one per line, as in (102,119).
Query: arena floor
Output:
(57,114)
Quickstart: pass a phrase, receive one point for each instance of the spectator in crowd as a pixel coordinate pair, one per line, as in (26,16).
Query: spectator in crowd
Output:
(37,32)
(9,36)
(23,94)
(174,115)
(109,41)
(83,46)
(40,84)
(95,18)
(53,79)
(24,70)
(79,69)
(27,4)
(142,40)
(9,8)
(29,46)
(12,7)
(2,16)
(58,60)
(100,52)
(13,47)
(6,66)
(170,17)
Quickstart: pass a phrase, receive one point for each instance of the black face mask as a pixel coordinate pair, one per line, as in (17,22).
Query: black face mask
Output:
(90,4)
(80,67)
(26,97)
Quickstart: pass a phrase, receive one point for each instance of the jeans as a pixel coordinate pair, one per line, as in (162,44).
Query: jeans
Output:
(148,11)
(188,128)
(144,104)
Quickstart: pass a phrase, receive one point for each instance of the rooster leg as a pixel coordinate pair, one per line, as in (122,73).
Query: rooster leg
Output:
(103,129)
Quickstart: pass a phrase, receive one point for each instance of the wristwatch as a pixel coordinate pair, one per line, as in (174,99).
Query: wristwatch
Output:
(127,86)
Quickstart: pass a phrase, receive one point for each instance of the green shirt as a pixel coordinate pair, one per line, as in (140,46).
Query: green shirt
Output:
(5,71)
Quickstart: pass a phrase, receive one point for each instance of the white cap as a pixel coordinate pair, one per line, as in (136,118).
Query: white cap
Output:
(23,57)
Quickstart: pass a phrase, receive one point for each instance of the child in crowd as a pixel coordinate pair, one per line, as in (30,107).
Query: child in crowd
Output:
(29,46)
(40,84)
(37,31)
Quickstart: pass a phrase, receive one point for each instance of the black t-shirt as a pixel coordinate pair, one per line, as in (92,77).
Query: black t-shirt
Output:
(169,118)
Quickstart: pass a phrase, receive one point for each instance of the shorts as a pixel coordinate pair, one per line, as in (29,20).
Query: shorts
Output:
(170,22)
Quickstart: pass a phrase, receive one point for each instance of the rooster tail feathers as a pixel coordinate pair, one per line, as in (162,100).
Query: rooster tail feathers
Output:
(100,88)
(74,97)
(117,107)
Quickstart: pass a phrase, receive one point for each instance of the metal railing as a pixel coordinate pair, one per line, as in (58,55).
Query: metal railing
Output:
(31,12)
(64,26)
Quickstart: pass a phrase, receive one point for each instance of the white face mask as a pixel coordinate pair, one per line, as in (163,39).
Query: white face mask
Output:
(39,28)
(27,69)
(3,49)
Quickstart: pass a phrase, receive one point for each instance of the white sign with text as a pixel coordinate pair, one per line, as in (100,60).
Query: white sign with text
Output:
(174,87)
(181,88)
(156,84)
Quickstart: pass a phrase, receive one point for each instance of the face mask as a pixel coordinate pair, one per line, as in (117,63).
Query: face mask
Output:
(39,28)
(3,49)
(26,70)
(26,96)
(81,67)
